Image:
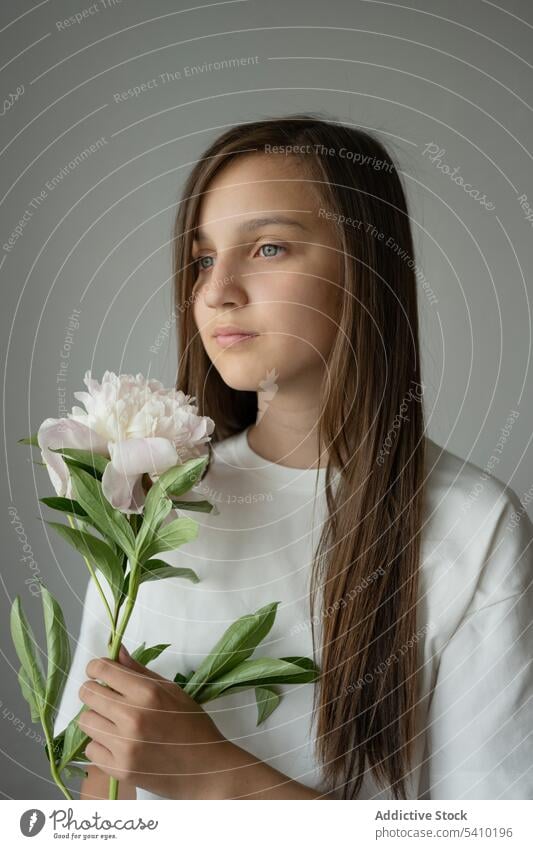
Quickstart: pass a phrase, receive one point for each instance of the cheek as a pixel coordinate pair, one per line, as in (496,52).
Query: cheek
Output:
(198,310)
(202,326)
(311,317)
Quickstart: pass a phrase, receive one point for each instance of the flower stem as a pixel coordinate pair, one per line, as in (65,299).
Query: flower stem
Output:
(53,766)
(113,654)
(133,587)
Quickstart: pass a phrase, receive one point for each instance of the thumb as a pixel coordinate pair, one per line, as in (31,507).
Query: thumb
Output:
(126,659)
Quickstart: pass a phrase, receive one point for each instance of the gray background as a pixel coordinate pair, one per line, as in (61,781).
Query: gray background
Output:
(450,73)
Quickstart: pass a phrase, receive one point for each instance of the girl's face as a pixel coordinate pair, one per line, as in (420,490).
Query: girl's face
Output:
(267,263)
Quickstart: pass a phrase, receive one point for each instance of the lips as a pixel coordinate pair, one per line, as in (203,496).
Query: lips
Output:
(231,336)
(233,330)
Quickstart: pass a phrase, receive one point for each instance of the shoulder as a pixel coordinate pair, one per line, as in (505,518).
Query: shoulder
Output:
(457,489)
(477,536)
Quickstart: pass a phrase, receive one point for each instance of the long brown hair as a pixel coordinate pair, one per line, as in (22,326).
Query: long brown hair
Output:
(367,560)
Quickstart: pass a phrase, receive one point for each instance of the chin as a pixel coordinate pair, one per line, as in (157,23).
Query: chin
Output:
(244,375)
(240,379)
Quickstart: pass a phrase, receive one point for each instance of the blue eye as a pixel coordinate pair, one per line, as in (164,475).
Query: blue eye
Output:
(271,245)
(199,263)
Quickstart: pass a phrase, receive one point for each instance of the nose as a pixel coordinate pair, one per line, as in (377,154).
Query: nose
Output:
(224,287)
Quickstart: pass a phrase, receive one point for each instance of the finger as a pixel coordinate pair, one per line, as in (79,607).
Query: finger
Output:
(98,727)
(103,700)
(125,659)
(126,680)
(99,755)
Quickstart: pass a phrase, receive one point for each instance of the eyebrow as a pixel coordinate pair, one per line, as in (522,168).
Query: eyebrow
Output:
(256,224)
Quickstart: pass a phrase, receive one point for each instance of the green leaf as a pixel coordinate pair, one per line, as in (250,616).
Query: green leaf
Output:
(87,527)
(180,479)
(145,655)
(27,692)
(109,521)
(182,679)
(98,552)
(156,508)
(303,663)
(57,747)
(27,651)
(237,643)
(74,772)
(153,570)
(157,505)
(267,699)
(58,651)
(199,506)
(82,458)
(66,505)
(138,651)
(171,536)
(29,440)
(75,740)
(257,673)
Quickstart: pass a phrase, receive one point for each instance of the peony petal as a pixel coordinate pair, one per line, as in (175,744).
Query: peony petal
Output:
(154,455)
(124,493)
(66,433)
(204,427)
(138,496)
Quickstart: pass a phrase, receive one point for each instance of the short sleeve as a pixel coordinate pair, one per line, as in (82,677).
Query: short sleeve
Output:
(91,642)
(479,741)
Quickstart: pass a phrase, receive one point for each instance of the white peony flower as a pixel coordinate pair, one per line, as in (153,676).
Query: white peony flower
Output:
(141,426)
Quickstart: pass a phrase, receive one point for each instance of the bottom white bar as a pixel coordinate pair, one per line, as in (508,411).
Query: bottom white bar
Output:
(313,823)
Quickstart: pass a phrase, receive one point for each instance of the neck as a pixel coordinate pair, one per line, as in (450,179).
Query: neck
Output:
(287,433)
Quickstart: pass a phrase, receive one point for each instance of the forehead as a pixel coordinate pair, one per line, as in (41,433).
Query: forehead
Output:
(262,187)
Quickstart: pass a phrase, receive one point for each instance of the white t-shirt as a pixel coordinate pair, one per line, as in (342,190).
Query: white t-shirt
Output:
(474,631)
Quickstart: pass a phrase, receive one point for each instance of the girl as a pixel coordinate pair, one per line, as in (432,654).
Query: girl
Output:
(403,569)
